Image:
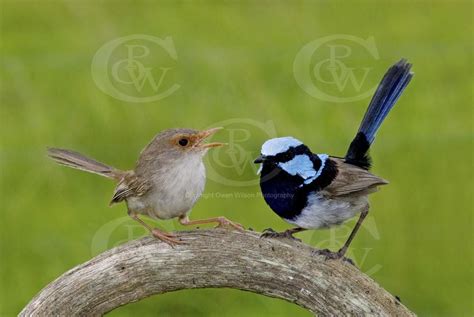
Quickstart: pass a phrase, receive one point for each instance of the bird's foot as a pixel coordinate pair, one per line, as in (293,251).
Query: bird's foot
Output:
(223,222)
(166,237)
(270,233)
(329,255)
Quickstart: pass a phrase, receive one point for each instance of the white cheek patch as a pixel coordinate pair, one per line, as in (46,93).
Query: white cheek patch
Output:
(260,169)
(279,145)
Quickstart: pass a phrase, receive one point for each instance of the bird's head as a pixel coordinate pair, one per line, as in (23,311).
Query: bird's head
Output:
(180,143)
(278,151)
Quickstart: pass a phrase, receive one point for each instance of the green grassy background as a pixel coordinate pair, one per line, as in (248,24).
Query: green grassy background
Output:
(235,62)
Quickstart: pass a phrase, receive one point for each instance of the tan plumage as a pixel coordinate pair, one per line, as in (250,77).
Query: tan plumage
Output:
(353,180)
(78,161)
(130,185)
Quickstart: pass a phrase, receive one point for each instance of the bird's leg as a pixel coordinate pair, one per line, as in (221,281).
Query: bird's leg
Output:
(221,222)
(157,233)
(270,233)
(342,251)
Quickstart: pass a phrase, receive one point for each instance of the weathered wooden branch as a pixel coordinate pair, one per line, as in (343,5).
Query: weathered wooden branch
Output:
(214,258)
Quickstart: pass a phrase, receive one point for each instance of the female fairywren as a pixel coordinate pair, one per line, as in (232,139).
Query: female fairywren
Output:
(166,183)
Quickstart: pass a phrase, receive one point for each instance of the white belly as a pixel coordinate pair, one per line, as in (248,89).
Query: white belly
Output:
(174,192)
(322,212)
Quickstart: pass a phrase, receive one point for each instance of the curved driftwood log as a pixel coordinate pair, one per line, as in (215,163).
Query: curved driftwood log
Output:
(214,258)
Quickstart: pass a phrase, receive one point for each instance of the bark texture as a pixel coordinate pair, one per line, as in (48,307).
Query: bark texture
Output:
(283,269)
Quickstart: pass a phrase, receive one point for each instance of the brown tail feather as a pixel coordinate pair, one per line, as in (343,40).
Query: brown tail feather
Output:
(79,161)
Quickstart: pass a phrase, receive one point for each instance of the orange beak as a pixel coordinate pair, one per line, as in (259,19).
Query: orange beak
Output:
(205,134)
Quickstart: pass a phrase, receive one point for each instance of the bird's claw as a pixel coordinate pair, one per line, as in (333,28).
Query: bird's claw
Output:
(329,255)
(270,233)
(166,237)
(223,222)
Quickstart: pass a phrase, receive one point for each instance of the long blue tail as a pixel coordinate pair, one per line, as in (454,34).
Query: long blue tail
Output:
(389,90)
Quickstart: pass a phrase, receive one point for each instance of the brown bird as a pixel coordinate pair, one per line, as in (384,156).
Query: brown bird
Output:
(168,179)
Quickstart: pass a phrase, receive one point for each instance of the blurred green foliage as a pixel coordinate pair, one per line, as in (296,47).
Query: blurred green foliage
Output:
(235,61)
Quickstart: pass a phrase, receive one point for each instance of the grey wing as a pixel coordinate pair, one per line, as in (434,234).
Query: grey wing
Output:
(352,179)
(129,185)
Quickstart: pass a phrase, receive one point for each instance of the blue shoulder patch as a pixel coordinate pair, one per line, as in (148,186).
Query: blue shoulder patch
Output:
(302,166)
(323,158)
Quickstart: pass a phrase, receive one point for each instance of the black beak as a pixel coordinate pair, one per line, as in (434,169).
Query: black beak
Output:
(259,159)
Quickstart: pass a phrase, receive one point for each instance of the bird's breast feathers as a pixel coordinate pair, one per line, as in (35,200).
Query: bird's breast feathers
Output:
(285,185)
(173,190)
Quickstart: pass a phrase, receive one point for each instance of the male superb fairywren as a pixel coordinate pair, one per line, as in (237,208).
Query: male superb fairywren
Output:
(315,191)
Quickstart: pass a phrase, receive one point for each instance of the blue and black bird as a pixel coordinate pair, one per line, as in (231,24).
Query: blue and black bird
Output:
(315,191)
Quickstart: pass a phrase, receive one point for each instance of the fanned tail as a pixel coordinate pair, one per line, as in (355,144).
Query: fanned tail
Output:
(389,90)
(81,162)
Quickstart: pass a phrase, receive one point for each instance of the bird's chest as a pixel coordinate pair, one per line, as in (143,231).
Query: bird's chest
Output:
(283,192)
(176,190)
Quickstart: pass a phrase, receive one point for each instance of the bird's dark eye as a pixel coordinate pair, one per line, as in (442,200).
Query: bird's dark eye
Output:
(285,157)
(183,142)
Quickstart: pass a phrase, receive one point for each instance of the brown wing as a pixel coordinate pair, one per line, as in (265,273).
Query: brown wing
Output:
(129,185)
(352,179)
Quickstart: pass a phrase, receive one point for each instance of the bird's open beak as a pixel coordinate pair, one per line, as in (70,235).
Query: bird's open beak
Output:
(259,159)
(205,134)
